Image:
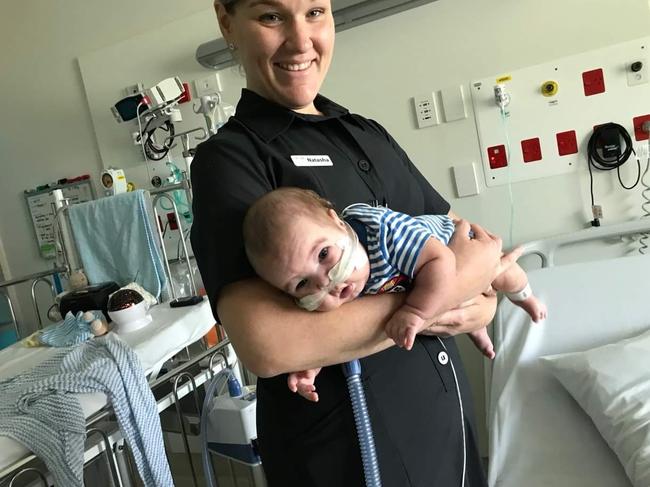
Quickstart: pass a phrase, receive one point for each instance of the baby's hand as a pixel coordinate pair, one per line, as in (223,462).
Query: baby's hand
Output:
(403,326)
(303,383)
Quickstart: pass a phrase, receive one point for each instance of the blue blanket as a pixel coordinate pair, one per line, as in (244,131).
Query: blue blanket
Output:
(116,241)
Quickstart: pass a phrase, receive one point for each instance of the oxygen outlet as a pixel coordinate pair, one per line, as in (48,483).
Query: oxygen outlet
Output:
(549,88)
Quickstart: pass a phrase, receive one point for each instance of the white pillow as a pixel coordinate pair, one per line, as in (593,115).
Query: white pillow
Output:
(612,384)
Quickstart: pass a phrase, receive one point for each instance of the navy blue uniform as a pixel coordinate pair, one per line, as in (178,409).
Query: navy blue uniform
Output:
(412,398)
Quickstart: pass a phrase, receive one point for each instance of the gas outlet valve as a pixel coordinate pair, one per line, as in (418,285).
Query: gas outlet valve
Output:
(549,88)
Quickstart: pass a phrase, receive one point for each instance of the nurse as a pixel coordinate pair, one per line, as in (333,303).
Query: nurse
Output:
(284,133)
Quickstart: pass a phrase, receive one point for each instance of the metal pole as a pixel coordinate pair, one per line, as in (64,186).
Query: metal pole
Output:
(182,237)
(61,204)
(164,252)
(20,280)
(110,456)
(179,414)
(11,312)
(34,300)
(38,473)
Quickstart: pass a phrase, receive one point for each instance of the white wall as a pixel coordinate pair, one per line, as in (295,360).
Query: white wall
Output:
(47,130)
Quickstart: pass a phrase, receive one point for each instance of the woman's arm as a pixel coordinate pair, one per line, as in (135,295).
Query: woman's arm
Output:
(272,335)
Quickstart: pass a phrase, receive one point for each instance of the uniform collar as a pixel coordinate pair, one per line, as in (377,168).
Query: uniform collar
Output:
(268,119)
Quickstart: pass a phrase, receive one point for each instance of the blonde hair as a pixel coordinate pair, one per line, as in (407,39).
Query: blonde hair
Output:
(266,220)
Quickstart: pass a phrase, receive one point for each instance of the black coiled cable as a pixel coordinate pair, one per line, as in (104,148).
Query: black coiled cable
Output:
(598,161)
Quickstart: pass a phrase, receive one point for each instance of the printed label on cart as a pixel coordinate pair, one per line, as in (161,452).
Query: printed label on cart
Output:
(312,161)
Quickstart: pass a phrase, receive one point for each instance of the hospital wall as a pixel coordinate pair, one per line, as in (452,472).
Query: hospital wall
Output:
(54,131)
(46,132)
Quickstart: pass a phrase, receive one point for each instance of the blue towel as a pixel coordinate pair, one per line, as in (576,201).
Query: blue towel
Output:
(116,241)
(72,330)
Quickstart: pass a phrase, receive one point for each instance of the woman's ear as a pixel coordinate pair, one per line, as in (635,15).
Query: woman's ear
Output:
(223,17)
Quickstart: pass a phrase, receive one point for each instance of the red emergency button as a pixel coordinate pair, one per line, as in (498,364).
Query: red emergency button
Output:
(532,150)
(497,156)
(593,82)
(567,143)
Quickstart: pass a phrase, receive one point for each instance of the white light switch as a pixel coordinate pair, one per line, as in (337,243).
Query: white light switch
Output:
(465,178)
(453,103)
(426,110)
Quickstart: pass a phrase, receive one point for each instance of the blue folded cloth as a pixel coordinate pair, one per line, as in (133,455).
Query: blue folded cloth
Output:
(116,241)
(72,330)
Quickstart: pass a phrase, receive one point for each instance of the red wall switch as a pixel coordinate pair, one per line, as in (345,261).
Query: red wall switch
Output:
(531,149)
(567,143)
(594,82)
(638,122)
(186,96)
(497,156)
(171,219)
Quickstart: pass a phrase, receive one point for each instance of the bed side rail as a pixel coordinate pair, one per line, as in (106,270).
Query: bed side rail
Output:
(546,249)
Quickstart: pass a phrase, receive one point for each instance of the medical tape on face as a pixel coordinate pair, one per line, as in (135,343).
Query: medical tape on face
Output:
(351,258)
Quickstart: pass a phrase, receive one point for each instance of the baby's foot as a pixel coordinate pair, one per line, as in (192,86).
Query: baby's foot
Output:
(482,341)
(534,307)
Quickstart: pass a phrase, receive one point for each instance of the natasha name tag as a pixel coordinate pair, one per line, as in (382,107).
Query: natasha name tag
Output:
(312,161)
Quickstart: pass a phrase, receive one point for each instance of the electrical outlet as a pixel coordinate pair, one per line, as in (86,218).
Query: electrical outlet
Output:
(426,110)
(637,72)
(207,86)
(134,89)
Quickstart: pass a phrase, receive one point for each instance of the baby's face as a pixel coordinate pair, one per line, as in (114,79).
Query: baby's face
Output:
(311,249)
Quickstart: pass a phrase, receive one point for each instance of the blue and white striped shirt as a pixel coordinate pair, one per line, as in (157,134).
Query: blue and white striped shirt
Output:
(395,240)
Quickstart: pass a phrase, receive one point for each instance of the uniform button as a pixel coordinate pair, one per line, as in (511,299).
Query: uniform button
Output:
(363,165)
(443,358)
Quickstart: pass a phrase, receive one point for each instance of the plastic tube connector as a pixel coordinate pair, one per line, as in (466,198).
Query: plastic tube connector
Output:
(501,96)
(351,368)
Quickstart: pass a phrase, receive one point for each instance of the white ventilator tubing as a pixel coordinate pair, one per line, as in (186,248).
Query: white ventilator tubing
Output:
(352,257)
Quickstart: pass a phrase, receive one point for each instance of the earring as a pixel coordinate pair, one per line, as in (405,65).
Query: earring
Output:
(231,46)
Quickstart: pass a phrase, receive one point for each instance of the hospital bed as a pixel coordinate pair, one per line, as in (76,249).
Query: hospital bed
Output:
(540,435)
(170,332)
(169,335)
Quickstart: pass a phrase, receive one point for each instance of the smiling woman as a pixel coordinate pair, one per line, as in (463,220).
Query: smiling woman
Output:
(284,133)
(284,47)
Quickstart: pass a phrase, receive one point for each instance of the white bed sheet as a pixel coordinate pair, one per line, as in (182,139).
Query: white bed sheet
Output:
(170,330)
(539,436)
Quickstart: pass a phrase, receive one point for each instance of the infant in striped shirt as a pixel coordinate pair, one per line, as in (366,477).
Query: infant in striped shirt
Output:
(297,242)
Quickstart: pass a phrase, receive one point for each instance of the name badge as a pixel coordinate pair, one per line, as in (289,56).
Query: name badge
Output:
(312,161)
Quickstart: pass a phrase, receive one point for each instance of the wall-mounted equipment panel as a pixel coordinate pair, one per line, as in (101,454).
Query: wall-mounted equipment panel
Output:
(552,109)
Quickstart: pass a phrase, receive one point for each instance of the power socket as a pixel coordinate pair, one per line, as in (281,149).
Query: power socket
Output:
(207,86)
(426,110)
(637,72)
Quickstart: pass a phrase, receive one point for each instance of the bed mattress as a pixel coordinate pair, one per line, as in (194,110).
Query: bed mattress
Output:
(539,436)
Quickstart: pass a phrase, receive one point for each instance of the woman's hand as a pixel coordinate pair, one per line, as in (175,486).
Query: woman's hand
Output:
(478,257)
(472,315)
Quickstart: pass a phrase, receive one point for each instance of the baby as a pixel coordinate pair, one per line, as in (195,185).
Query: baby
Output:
(296,241)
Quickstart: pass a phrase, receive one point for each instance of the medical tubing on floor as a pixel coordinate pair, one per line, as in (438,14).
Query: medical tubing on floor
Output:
(210,390)
(352,372)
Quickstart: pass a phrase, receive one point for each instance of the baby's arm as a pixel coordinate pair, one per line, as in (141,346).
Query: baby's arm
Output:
(435,290)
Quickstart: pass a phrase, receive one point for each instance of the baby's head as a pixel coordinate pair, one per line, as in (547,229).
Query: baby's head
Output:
(295,241)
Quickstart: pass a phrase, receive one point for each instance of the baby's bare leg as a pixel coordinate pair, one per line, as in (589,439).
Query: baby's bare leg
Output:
(514,280)
(482,341)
